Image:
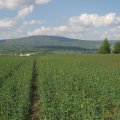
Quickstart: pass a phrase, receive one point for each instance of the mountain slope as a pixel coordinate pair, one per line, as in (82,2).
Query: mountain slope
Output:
(36,43)
(52,41)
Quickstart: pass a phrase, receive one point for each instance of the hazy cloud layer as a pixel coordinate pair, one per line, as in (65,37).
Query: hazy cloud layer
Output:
(42,1)
(7,23)
(12,4)
(33,22)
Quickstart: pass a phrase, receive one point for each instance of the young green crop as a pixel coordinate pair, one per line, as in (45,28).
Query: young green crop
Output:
(15,92)
(84,87)
(7,64)
(80,87)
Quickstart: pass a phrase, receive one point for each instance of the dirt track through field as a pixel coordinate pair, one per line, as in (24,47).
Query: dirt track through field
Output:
(35,107)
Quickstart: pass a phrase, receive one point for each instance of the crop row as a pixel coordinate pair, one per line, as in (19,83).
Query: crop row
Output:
(79,88)
(15,93)
(82,87)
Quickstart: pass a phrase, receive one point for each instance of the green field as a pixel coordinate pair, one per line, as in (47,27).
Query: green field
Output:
(84,87)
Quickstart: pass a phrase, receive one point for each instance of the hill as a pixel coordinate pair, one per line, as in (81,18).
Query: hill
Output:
(49,44)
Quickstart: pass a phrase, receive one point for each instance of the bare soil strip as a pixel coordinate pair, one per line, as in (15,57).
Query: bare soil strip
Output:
(35,107)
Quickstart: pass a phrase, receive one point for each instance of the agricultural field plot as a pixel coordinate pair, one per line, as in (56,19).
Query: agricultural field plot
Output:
(82,87)
(79,87)
(15,83)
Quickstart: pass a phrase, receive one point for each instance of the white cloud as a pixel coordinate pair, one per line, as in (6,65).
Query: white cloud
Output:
(8,3)
(42,1)
(116,36)
(94,20)
(60,30)
(115,29)
(85,26)
(7,23)
(48,31)
(106,35)
(12,4)
(113,33)
(25,11)
(18,26)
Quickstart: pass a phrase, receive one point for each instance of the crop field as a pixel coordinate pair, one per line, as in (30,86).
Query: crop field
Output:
(78,87)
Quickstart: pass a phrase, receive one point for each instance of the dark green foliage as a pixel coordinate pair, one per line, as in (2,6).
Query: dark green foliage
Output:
(117,48)
(105,47)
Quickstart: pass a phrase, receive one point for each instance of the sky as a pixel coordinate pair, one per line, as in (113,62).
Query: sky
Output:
(80,19)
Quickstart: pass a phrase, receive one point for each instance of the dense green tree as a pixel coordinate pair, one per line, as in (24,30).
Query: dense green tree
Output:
(105,47)
(117,48)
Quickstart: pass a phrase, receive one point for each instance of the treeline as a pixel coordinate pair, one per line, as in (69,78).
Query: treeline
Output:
(105,48)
